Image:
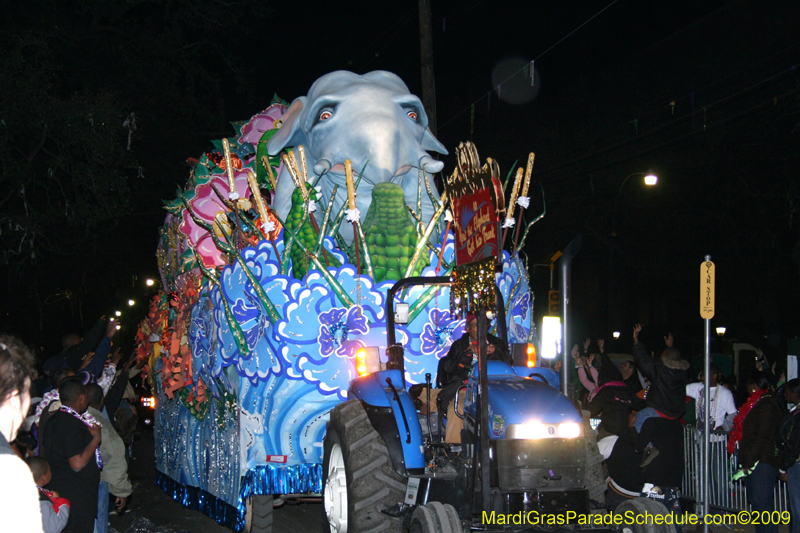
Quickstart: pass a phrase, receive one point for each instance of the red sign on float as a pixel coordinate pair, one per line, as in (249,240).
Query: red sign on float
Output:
(475,226)
(478,205)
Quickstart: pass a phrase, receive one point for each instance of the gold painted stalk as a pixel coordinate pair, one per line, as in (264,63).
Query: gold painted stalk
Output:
(428,231)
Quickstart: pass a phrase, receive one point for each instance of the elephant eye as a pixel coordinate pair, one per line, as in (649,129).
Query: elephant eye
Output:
(412,114)
(325,114)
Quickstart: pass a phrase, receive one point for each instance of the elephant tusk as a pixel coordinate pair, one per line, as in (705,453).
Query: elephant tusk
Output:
(322,166)
(429,164)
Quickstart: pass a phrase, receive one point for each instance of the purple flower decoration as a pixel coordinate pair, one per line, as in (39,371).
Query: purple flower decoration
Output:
(336,326)
(436,334)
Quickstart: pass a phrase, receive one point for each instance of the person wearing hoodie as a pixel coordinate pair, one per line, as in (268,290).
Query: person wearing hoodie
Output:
(612,399)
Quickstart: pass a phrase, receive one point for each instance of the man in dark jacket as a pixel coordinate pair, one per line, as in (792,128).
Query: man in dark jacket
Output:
(455,367)
(668,377)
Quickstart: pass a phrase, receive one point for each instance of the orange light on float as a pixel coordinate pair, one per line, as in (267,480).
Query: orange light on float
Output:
(368,360)
(361,366)
(531,351)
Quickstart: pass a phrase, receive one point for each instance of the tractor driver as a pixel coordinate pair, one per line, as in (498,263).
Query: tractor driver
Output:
(455,368)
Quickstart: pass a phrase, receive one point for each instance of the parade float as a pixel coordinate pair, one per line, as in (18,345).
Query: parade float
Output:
(275,260)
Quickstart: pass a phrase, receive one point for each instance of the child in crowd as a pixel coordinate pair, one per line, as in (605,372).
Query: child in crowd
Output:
(55,510)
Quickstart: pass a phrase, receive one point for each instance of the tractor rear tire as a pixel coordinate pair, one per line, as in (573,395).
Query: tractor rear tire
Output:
(435,517)
(644,506)
(353,502)
(258,514)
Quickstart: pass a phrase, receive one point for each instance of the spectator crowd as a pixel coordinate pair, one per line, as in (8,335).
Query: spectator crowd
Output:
(65,435)
(641,402)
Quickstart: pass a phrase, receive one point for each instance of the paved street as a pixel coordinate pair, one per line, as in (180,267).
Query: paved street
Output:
(152,511)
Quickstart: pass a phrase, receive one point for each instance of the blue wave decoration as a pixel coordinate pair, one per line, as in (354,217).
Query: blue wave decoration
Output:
(199,500)
(273,479)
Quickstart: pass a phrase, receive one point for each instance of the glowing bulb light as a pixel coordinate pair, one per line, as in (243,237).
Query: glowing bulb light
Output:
(551,336)
(149,282)
(131,303)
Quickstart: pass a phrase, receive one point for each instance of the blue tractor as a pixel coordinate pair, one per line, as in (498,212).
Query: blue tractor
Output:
(526,451)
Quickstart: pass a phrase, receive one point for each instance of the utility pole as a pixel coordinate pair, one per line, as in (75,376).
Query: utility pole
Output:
(426,61)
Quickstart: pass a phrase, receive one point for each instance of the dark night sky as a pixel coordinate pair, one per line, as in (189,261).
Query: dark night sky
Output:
(601,112)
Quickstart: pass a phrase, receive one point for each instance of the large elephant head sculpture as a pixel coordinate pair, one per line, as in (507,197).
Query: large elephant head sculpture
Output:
(371,119)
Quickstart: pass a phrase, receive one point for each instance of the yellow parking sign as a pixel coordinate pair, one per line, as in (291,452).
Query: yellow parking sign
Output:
(707,290)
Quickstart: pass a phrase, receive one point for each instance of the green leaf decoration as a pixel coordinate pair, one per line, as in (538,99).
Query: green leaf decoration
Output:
(390,234)
(301,225)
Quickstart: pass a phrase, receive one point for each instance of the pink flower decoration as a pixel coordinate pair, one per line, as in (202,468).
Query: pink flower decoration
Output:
(255,128)
(205,205)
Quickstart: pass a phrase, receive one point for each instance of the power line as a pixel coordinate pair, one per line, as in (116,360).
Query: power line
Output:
(771,101)
(488,93)
(646,114)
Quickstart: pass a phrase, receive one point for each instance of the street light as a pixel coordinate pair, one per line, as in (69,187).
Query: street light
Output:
(131,303)
(721,331)
(118,313)
(149,282)
(616,335)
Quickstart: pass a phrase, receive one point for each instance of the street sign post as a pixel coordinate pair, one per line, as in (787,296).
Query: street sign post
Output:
(707,303)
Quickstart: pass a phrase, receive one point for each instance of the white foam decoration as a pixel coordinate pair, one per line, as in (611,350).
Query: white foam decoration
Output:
(353,215)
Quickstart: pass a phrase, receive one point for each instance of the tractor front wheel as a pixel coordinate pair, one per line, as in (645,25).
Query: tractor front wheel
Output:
(358,478)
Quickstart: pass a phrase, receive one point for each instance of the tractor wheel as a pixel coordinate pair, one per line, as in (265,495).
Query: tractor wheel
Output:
(435,518)
(358,478)
(258,514)
(641,507)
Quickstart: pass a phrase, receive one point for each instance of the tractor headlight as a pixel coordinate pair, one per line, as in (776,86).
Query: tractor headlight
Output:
(531,430)
(539,430)
(569,430)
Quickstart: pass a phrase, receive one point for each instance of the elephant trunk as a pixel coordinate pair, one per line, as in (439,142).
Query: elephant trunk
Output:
(322,166)
(430,165)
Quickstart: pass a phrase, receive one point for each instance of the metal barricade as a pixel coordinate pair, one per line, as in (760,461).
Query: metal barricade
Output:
(724,494)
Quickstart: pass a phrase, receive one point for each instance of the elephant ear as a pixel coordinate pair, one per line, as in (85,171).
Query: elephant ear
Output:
(289,133)
(430,143)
